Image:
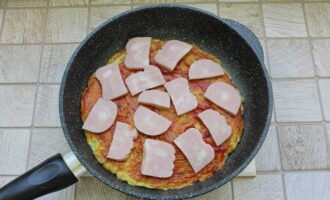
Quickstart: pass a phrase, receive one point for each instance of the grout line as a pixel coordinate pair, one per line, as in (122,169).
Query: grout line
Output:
(88,17)
(37,88)
(283,185)
(232,189)
(281,163)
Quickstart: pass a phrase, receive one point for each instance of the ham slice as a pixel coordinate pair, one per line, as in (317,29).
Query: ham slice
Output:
(111,81)
(183,100)
(151,77)
(101,117)
(137,50)
(225,96)
(155,98)
(198,153)
(122,142)
(158,158)
(149,122)
(171,53)
(204,68)
(216,124)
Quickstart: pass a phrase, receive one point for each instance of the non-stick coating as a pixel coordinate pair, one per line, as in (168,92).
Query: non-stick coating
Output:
(170,22)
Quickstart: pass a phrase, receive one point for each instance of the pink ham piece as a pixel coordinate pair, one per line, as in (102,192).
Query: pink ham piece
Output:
(101,117)
(156,98)
(204,68)
(122,142)
(183,100)
(198,153)
(216,124)
(111,81)
(171,53)
(137,50)
(151,77)
(225,96)
(149,122)
(158,158)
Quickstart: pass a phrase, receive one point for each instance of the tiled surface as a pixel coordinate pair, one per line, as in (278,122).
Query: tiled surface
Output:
(325,97)
(54,61)
(284,20)
(23,26)
(307,185)
(303,147)
(38,37)
(296,101)
(19,63)
(247,14)
(66,25)
(321,52)
(318,19)
(267,186)
(290,58)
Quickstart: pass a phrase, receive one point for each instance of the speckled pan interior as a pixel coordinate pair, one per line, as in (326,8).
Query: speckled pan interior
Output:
(236,46)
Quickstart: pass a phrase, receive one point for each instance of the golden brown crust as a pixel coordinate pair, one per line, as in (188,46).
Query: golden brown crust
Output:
(183,174)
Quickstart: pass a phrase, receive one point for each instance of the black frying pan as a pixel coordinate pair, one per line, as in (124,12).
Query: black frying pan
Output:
(234,44)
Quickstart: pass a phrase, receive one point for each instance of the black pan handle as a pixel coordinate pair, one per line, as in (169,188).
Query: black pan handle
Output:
(51,175)
(248,35)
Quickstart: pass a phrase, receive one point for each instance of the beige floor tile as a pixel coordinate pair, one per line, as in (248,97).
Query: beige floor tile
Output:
(222,193)
(325,97)
(26,3)
(296,101)
(64,194)
(68,2)
(14,150)
(268,157)
(93,189)
(318,19)
(19,63)
(212,8)
(46,142)
(154,1)
(307,185)
(284,20)
(54,61)
(46,114)
(321,52)
(261,187)
(247,14)
(16,105)
(101,14)
(303,147)
(282,1)
(109,2)
(3,3)
(66,24)
(23,26)
(290,58)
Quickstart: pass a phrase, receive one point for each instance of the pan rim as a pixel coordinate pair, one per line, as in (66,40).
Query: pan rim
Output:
(203,190)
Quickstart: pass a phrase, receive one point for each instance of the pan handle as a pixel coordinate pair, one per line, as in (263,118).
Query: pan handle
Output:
(53,174)
(248,35)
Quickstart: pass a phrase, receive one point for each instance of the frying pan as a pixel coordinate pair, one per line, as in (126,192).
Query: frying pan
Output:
(235,45)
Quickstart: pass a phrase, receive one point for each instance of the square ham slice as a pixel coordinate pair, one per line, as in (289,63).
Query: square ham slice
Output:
(150,122)
(198,153)
(224,96)
(137,50)
(101,117)
(158,159)
(122,142)
(216,124)
(151,77)
(204,68)
(183,100)
(171,53)
(155,98)
(111,81)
